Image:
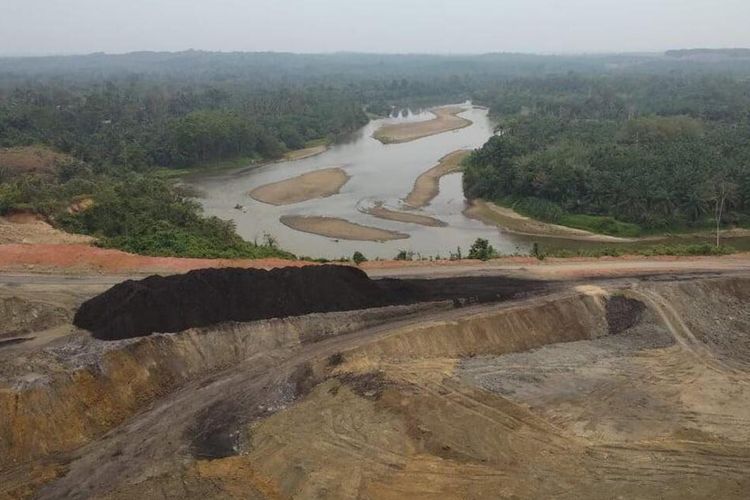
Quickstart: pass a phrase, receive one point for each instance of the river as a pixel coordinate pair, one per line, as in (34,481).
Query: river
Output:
(378,172)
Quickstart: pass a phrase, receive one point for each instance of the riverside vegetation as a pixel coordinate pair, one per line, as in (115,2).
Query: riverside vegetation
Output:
(622,145)
(623,156)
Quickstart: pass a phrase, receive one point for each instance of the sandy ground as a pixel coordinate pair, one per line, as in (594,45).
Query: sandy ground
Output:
(27,228)
(513,222)
(301,154)
(446,119)
(318,184)
(427,185)
(378,210)
(333,227)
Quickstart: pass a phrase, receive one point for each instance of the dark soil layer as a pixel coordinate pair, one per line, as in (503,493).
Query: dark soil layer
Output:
(208,296)
(623,313)
(464,289)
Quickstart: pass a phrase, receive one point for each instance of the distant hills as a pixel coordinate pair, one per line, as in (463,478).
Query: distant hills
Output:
(708,53)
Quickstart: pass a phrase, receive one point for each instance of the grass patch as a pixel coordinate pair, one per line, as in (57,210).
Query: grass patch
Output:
(677,250)
(601,224)
(213,166)
(551,212)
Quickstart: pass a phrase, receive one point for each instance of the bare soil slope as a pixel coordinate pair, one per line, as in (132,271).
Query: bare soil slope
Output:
(28,228)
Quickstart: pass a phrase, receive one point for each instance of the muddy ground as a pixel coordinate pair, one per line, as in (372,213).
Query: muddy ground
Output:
(634,387)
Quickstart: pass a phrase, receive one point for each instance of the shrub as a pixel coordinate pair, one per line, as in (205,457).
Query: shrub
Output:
(358,258)
(405,255)
(482,250)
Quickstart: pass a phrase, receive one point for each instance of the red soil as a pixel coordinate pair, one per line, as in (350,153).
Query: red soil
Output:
(83,258)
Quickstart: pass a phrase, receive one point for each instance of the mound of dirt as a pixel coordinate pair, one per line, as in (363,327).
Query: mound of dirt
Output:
(31,159)
(208,296)
(31,229)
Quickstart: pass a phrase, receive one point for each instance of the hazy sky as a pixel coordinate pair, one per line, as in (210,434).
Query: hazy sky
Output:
(468,26)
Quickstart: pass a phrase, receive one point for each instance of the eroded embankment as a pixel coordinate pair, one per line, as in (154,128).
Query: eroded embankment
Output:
(75,390)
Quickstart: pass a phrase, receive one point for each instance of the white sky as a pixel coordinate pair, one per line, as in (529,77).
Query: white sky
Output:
(30,27)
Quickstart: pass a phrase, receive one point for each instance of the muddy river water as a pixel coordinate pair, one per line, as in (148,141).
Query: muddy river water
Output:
(378,173)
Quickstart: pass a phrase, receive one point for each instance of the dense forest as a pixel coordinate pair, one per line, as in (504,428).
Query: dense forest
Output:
(619,154)
(615,143)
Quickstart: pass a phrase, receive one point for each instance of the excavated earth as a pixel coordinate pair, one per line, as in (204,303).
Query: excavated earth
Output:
(475,387)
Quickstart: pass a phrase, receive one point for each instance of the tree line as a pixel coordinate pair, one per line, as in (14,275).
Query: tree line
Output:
(656,151)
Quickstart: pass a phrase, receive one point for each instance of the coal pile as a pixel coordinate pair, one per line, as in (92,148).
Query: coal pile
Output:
(208,296)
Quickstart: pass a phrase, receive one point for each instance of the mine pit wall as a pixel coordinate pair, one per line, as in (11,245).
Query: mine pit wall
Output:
(76,404)
(715,310)
(714,313)
(500,331)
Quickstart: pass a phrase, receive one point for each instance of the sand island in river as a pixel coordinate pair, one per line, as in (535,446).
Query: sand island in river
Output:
(342,229)
(317,184)
(446,119)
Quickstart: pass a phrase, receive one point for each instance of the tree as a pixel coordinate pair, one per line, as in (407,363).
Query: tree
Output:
(358,258)
(482,250)
(724,191)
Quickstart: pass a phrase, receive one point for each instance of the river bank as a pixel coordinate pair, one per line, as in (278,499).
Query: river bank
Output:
(511,221)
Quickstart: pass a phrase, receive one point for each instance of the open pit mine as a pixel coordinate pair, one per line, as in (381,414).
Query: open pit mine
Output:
(322,382)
